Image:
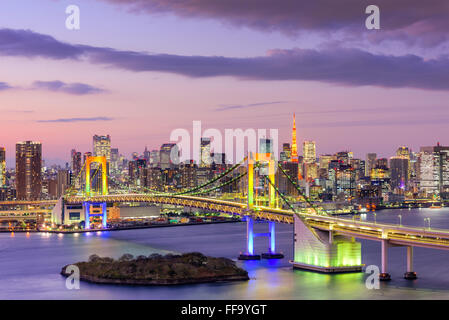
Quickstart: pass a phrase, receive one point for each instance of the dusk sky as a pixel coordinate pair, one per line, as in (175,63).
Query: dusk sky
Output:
(138,69)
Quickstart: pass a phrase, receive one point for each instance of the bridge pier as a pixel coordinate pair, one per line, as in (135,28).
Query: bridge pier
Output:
(87,206)
(272,254)
(250,235)
(410,274)
(384,275)
(249,255)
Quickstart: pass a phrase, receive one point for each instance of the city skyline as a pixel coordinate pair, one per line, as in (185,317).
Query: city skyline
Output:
(75,84)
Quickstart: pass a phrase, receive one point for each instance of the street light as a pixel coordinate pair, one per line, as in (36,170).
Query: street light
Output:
(375,220)
(400,220)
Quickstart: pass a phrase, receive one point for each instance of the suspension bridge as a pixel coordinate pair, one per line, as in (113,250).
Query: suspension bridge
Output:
(322,242)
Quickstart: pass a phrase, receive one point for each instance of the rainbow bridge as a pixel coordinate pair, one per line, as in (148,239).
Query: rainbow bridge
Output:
(322,242)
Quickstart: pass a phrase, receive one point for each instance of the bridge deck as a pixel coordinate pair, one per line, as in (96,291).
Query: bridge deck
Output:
(401,235)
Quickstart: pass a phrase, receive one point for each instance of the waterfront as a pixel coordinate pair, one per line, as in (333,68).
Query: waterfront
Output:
(30,264)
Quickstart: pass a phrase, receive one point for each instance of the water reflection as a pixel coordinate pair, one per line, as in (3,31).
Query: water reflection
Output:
(270,279)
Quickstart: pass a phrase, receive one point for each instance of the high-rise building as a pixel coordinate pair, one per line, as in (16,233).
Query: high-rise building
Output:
(434,170)
(137,171)
(294,155)
(169,155)
(286,152)
(146,154)
(75,163)
(115,156)
(370,163)
(28,170)
(188,177)
(205,152)
(265,145)
(403,152)
(102,147)
(382,163)
(309,152)
(399,173)
(2,167)
(154,158)
(344,157)
(63,182)
(218,158)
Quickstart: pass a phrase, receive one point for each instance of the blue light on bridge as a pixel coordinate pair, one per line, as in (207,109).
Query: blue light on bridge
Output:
(250,224)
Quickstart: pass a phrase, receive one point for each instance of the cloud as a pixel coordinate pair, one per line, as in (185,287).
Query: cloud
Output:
(4,86)
(70,88)
(245,106)
(410,20)
(78,119)
(341,66)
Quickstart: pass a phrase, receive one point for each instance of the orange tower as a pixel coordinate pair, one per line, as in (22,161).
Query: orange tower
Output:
(294,153)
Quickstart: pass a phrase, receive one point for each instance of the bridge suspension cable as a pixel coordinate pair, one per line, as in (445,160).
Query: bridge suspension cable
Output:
(70,189)
(221,185)
(291,207)
(298,189)
(225,173)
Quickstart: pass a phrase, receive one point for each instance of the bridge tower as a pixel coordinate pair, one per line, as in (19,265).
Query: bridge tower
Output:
(269,170)
(88,205)
(104,176)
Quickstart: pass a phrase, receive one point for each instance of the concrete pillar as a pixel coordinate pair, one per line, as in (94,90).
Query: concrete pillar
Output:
(410,274)
(249,255)
(104,219)
(249,236)
(86,205)
(384,275)
(272,227)
(331,237)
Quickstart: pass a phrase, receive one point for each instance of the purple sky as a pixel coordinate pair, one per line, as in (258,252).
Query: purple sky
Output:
(138,69)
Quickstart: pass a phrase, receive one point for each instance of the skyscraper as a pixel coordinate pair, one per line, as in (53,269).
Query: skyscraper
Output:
(399,173)
(76,164)
(265,145)
(286,152)
(28,170)
(434,170)
(309,152)
(114,159)
(205,152)
(169,155)
(63,179)
(370,163)
(294,143)
(2,167)
(154,158)
(102,147)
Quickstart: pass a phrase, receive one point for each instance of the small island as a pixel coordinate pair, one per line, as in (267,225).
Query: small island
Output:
(157,269)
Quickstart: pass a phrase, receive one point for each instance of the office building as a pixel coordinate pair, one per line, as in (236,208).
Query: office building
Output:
(309,152)
(28,170)
(2,167)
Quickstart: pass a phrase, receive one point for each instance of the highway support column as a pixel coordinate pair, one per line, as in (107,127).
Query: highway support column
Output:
(384,275)
(410,274)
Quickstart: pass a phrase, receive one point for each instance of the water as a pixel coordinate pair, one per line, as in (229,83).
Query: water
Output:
(30,264)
